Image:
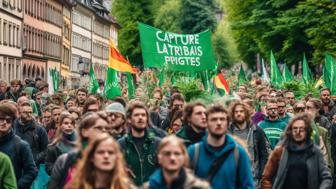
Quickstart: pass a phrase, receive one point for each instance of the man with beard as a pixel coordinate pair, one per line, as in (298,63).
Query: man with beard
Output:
(255,138)
(290,98)
(52,127)
(297,162)
(329,107)
(81,96)
(117,120)
(272,125)
(140,144)
(218,158)
(283,115)
(14,91)
(31,132)
(194,126)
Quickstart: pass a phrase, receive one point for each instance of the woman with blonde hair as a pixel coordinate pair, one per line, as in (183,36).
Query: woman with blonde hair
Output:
(173,159)
(64,142)
(102,167)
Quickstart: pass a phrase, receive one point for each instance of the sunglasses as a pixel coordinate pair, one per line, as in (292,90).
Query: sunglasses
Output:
(5,119)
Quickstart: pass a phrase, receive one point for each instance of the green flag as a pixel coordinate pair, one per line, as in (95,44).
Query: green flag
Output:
(329,73)
(276,78)
(130,85)
(111,89)
(241,77)
(306,73)
(93,83)
(177,52)
(287,75)
(205,80)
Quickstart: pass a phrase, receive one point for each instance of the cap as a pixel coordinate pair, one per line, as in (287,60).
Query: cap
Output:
(115,107)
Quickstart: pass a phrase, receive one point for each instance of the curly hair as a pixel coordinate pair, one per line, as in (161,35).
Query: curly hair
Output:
(308,122)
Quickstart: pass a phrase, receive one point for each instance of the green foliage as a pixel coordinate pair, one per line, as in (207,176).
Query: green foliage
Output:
(288,27)
(190,88)
(129,13)
(168,15)
(300,89)
(197,16)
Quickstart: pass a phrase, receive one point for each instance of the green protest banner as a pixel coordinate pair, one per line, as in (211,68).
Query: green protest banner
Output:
(177,52)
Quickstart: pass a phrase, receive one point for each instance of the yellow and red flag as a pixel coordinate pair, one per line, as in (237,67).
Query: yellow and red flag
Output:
(118,62)
(221,83)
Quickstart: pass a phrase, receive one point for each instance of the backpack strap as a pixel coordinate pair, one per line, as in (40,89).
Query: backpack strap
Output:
(195,158)
(217,164)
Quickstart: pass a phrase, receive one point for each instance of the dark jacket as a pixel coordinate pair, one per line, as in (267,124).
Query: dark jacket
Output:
(10,95)
(332,110)
(55,150)
(323,122)
(276,169)
(22,159)
(258,148)
(141,165)
(189,136)
(186,180)
(61,168)
(35,135)
(233,171)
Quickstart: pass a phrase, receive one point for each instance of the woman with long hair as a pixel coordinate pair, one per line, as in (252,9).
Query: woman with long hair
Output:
(64,142)
(91,126)
(102,167)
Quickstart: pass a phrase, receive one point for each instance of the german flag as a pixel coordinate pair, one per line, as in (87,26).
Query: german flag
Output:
(221,84)
(118,62)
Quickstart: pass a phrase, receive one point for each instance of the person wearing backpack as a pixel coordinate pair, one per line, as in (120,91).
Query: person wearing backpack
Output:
(15,148)
(218,158)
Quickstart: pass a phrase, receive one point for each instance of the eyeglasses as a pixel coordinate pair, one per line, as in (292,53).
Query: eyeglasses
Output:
(272,109)
(300,130)
(299,109)
(5,119)
(102,128)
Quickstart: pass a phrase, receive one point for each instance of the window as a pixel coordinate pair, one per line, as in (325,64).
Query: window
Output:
(5,37)
(10,34)
(18,37)
(14,35)
(1,32)
(19,5)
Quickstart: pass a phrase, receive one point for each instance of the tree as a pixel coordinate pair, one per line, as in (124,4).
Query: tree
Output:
(197,16)
(128,14)
(168,16)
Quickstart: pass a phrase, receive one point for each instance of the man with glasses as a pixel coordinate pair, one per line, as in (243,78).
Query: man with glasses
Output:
(31,132)
(283,115)
(297,162)
(17,149)
(272,125)
(91,104)
(117,119)
(140,144)
(299,107)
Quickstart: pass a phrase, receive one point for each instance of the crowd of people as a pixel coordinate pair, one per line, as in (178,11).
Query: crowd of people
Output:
(79,140)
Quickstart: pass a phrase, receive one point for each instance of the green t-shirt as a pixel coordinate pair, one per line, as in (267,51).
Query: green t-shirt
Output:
(273,130)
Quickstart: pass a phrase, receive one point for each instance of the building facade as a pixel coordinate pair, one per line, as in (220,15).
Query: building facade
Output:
(91,32)
(11,15)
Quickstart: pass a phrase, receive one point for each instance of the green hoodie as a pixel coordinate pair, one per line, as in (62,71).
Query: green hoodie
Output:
(7,176)
(273,130)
